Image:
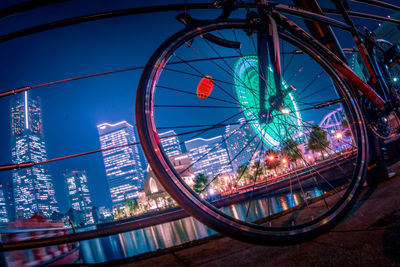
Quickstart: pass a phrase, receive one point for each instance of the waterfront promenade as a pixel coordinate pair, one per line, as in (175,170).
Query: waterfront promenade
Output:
(368,236)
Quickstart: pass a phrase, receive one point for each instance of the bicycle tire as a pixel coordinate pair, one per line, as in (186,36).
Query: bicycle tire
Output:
(203,210)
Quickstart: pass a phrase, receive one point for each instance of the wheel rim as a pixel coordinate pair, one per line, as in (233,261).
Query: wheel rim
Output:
(220,217)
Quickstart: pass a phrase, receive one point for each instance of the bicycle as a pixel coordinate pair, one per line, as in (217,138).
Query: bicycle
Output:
(246,76)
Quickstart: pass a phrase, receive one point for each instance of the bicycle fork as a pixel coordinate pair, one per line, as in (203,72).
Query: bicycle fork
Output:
(268,53)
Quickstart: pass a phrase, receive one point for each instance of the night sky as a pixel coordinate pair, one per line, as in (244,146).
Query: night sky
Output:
(72,110)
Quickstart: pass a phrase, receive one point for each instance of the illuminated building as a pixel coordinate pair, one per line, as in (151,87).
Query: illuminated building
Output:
(241,143)
(101,214)
(247,90)
(78,194)
(123,165)
(105,213)
(9,198)
(3,207)
(183,165)
(33,187)
(170,143)
(153,195)
(209,156)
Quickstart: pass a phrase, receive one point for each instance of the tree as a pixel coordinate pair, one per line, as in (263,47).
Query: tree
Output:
(135,205)
(258,169)
(200,183)
(291,150)
(128,205)
(318,140)
(271,160)
(242,173)
(118,214)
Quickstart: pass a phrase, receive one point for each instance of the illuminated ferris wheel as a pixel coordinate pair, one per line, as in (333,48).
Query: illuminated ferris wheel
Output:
(284,123)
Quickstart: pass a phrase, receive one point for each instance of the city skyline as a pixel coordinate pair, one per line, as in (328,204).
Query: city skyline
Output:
(173,144)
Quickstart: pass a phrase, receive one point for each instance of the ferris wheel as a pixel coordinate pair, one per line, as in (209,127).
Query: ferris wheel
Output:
(285,123)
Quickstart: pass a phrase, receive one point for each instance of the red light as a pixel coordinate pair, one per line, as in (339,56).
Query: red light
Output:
(205,87)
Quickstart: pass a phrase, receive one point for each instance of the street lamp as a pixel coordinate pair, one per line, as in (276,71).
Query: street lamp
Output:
(211,191)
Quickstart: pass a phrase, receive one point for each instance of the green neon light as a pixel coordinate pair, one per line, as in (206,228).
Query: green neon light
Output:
(282,126)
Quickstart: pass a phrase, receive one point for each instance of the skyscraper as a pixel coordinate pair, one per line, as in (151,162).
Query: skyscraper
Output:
(9,197)
(170,143)
(3,208)
(78,194)
(123,166)
(209,156)
(33,187)
(241,143)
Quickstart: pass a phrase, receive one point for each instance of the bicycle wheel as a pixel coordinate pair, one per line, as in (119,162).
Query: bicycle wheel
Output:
(269,182)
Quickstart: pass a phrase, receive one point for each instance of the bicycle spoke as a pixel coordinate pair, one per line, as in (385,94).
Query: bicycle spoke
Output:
(297,186)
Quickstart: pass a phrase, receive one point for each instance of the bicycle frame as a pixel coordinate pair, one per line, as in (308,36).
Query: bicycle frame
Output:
(371,65)
(381,100)
(269,13)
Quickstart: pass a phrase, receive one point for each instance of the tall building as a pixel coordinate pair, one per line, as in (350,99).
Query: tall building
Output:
(9,197)
(3,207)
(101,214)
(33,187)
(78,194)
(170,143)
(241,143)
(123,165)
(209,156)
(142,157)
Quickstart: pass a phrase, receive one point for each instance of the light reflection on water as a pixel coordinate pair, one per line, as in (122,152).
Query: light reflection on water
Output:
(259,208)
(181,231)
